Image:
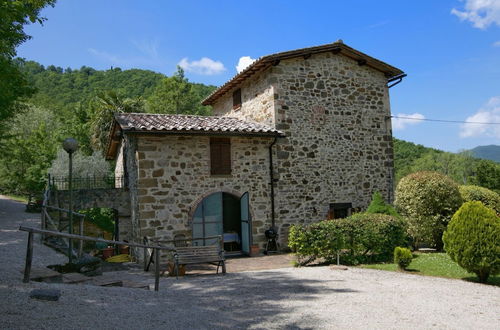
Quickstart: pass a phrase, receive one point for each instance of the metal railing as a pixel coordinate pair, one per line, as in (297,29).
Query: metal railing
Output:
(29,251)
(91,182)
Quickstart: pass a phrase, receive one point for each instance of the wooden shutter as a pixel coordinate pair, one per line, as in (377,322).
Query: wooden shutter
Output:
(220,156)
(237,99)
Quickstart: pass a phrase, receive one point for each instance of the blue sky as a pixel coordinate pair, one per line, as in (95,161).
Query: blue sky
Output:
(450,49)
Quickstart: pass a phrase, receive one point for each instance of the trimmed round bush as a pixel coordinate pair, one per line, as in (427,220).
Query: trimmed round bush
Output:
(488,197)
(428,200)
(402,257)
(472,240)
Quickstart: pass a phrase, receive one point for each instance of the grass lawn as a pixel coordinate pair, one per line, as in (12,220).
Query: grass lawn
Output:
(435,264)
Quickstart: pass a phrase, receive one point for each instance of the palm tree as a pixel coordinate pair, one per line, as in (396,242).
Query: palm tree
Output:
(103,108)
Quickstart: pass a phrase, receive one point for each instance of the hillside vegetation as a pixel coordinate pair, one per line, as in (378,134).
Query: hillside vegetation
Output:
(463,167)
(81,102)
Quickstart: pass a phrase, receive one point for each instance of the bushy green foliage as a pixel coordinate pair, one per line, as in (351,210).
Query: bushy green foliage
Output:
(475,193)
(29,151)
(360,238)
(14,15)
(101,217)
(176,95)
(428,200)
(488,175)
(378,205)
(472,239)
(402,257)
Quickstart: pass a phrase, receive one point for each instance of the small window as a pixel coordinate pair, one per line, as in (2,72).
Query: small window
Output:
(220,156)
(237,99)
(339,210)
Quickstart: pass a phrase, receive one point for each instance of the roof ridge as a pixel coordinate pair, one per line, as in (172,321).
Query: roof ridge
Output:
(263,62)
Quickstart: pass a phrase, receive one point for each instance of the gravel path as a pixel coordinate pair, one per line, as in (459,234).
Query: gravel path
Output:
(311,297)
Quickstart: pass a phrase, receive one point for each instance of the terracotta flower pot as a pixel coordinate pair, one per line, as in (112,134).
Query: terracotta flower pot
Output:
(124,249)
(108,252)
(254,250)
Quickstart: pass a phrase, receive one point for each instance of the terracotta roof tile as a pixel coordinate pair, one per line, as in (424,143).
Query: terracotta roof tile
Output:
(163,123)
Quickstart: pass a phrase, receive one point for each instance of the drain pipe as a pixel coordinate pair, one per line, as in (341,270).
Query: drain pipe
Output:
(399,79)
(271,175)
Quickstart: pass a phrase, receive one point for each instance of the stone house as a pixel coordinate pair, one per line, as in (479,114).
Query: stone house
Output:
(297,137)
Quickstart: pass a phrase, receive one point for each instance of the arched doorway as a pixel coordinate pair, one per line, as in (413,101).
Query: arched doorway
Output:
(224,214)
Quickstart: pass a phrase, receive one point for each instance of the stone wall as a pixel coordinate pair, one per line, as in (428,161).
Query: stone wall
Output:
(338,145)
(257,102)
(174,176)
(118,199)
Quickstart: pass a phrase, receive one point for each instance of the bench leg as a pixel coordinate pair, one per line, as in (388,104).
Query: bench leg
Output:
(176,270)
(223,266)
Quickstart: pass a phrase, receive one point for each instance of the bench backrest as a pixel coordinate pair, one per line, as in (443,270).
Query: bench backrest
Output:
(198,254)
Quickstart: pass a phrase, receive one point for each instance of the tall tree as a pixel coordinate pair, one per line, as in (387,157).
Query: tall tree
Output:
(29,151)
(176,95)
(14,15)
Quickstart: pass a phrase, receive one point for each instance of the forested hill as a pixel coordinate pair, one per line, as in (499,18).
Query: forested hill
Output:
(463,167)
(63,89)
(81,104)
(66,88)
(491,152)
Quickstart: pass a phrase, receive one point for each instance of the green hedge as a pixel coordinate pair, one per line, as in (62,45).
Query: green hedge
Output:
(359,238)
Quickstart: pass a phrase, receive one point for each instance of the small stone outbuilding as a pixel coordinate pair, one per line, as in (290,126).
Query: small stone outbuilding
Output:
(296,137)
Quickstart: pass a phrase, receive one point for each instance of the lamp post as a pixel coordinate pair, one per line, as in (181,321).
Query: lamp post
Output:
(70,145)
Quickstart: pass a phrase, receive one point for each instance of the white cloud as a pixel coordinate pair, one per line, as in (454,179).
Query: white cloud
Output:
(204,66)
(406,120)
(496,43)
(481,13)
(244,62)
(489,113)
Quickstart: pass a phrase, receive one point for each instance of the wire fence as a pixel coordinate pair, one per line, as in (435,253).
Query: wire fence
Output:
(91,182)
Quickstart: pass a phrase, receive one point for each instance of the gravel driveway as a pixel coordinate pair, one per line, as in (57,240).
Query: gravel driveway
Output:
(309,298)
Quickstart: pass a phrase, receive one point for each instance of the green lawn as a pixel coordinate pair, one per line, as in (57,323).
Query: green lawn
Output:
(435,264)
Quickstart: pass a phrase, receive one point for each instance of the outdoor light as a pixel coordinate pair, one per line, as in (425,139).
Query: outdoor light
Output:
(70,145)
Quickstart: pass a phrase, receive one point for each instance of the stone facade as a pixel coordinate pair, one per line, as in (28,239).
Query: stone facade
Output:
(338,145)
(173,176)
(257,102)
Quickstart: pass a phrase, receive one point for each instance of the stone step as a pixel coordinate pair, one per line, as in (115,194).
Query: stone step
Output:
(43,274)
(135,285)
(103,281)
(73,278)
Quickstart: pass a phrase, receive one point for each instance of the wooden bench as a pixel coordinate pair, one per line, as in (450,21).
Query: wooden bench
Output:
(190,255)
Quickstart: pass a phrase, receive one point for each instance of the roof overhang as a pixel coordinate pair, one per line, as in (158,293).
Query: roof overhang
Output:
(266,62)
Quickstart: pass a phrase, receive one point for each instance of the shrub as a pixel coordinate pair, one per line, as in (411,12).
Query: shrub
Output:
(428,200)
(379,206)
(472,240)
(402,257)
(475,193)
(361,237)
